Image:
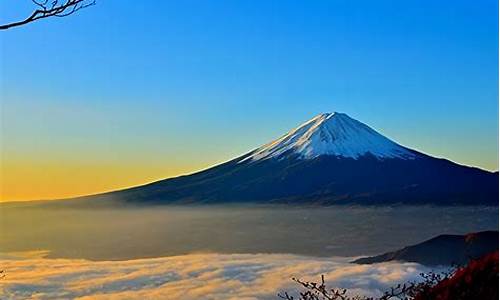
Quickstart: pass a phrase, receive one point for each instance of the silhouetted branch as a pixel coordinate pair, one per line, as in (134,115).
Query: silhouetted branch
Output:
(53,8)
(407,291)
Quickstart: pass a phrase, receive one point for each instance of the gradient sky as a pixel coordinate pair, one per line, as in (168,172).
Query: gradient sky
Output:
(124,93)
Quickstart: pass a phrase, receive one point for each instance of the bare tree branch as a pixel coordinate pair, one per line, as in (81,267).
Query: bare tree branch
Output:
(407,291)
(55,8)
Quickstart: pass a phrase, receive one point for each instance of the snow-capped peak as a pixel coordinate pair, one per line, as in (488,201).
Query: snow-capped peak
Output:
(334,134)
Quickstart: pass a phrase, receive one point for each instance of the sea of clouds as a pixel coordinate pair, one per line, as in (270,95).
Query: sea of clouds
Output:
(193,276)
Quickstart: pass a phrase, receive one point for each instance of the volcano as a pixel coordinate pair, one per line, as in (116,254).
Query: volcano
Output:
(330,159)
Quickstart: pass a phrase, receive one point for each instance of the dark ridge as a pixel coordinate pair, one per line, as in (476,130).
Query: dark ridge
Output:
(442,250)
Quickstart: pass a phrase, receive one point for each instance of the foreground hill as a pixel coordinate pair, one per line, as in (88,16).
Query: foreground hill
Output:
(331,159)
(477,280)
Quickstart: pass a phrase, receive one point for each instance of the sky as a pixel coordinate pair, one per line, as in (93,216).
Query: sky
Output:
(124,93)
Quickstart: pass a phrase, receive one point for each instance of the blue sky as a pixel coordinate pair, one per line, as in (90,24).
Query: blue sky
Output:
(192,83)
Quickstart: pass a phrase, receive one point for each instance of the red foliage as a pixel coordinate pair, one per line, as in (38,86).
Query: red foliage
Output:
(477,280)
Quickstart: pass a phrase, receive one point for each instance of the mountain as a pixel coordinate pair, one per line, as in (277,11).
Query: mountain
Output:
(330,159)
(442,250)
(332,134)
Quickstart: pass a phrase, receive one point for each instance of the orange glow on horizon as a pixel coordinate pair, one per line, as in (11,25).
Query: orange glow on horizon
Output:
(37,180)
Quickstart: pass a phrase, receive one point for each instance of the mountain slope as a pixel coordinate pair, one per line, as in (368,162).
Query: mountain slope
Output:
(331,159)
(332,134)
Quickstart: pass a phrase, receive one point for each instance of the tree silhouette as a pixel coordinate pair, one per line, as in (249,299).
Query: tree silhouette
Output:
(319,291)
(477,280)
(54,8)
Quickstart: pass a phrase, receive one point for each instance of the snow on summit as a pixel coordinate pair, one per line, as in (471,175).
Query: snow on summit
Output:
(332,134)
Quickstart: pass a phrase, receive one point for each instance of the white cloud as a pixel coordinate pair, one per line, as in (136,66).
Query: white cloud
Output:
(194,276)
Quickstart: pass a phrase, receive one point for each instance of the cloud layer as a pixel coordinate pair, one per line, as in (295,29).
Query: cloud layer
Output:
(194,276)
